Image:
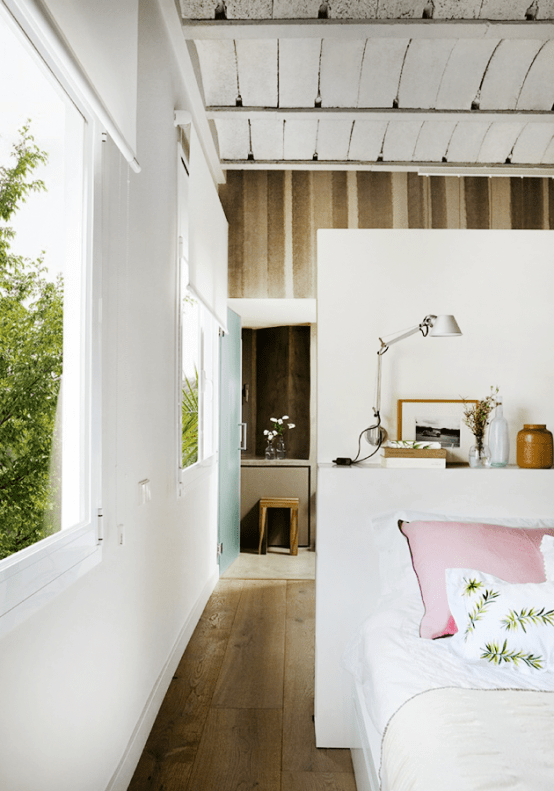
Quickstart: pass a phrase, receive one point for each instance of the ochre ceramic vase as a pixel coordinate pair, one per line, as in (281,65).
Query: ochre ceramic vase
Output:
(534,446)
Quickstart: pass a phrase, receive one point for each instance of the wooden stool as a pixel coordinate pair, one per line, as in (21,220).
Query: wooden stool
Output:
(279,502)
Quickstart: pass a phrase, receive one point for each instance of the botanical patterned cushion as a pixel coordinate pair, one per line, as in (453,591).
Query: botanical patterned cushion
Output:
(507,552)
(500,623)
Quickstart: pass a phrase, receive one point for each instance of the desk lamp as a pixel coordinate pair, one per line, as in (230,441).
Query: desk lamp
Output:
(444,326)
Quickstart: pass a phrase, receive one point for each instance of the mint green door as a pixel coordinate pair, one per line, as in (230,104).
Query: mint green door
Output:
(230,400)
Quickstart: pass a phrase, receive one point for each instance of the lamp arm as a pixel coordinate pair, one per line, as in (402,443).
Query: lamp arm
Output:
(424,328)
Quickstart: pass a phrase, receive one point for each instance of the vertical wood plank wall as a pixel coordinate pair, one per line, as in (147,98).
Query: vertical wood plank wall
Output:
(274,216)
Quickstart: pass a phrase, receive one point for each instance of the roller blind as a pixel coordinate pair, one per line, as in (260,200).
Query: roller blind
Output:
(208,230)
(92,48)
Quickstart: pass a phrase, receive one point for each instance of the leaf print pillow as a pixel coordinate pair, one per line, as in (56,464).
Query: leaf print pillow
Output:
(502,624)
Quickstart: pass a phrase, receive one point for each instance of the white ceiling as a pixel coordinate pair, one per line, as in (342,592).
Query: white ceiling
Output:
(376,83)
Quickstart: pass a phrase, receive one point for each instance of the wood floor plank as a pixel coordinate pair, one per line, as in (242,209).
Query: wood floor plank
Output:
(317,781)
(251,676)
(299,751)
(240,749)
(171,748)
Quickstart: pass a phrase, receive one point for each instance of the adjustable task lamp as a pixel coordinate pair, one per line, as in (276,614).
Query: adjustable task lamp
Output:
(437,327)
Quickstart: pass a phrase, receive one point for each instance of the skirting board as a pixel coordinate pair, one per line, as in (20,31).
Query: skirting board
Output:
(126,768)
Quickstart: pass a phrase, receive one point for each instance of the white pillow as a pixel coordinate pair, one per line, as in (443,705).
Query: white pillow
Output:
(547,550)
(502,624)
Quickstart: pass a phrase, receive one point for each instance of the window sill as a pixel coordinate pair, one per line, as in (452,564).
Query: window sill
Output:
(190,476)
(34,576)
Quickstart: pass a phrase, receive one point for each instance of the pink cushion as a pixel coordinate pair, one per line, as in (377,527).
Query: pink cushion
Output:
(511,553)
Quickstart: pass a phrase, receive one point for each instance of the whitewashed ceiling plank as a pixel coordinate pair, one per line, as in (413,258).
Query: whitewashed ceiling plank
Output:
(400,140)
(296,9)
(506,73)
(367,9)
(532,144)
(422,73)
(466,141)
(504,9)
(381,68)
(454,9)
(233,138)
(257,67)
(300,139)
(198,9)
(333,140)
(298,72)
(248,9)
(499,141)
(219,72)
(267,138)
(537,92)
(463,73)
(433,140)
(352,9)
(548,157)
(340,72)
(401,9)
(366,141)
(546,9)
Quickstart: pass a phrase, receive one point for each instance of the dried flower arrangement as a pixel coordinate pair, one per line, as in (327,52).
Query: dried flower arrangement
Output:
(476,416)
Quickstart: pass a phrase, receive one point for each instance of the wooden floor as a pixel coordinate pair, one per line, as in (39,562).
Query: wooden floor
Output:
(238,713)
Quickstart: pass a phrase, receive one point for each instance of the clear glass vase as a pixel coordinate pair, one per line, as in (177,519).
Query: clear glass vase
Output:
(499,437)
(270,451)
(280,450)
(480,455)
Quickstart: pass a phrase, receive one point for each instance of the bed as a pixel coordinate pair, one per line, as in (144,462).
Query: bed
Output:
(416,709)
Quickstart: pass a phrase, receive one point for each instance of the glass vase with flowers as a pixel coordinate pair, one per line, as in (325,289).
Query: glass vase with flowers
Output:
(476,418)
(276,437)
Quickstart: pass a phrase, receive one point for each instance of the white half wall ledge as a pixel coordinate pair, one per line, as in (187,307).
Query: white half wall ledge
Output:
(258,313)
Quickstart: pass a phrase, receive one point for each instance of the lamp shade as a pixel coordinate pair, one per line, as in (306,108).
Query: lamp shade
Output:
(444,327)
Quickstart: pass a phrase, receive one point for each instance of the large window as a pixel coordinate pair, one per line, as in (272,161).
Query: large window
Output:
(48,481)
(197,363)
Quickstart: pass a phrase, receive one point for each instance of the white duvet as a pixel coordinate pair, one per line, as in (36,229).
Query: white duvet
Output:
(394,664)
(471,740)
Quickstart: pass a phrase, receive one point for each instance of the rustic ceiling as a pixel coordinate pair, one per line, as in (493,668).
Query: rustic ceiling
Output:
(420,85)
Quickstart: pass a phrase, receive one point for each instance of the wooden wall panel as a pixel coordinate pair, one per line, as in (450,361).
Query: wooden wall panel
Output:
(276,233)
(477,203)
(303,253)
(274,216)
(283,386)
(375,207)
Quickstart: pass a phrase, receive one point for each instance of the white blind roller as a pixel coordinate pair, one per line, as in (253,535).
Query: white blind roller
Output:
(208,231)
(92,47)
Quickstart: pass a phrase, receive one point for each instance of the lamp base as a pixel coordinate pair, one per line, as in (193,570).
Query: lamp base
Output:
(376,436)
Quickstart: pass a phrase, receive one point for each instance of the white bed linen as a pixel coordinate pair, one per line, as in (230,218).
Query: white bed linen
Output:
(460,739)
(394,664)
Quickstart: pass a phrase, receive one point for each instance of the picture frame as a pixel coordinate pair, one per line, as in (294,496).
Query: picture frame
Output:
(437,420)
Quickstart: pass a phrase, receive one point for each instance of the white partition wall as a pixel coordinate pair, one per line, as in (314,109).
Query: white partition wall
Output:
(372,283)
(499,285)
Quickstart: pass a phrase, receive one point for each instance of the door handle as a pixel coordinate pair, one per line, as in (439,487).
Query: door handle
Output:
(243,435)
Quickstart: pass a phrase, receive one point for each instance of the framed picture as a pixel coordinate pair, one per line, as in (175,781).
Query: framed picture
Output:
(436,420)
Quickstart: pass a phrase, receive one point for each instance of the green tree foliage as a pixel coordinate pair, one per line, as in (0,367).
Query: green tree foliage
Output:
(31,349)
(189,403)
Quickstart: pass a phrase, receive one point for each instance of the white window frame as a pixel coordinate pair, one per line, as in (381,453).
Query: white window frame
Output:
(208,334)
(29,579)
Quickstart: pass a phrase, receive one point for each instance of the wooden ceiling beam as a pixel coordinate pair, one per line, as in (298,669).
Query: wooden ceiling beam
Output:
(365,29)
(377,115)
(423,169)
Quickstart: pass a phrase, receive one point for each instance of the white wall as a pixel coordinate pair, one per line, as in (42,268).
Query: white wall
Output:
(373,283)
(75,678)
